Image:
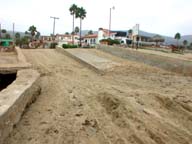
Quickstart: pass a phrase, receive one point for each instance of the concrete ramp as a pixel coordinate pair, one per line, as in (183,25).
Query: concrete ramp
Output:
(94,59)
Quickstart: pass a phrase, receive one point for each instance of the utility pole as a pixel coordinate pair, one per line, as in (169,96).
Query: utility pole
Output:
(13,30)
(0,30)
(54,18)
(14,33)
(110,20)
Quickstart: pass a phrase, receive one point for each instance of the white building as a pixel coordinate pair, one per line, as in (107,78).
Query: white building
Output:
(67,39)
(93,39)
(105,34)
(90,40)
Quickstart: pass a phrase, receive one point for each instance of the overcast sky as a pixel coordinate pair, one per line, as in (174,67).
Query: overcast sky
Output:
(165,17)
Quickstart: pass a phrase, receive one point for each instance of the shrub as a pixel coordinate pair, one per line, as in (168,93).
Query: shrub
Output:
(110,41)
(69,46)
(53,45)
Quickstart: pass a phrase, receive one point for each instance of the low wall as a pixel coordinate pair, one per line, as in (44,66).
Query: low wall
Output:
(13,68)
(15,98)
(63,51)
(20,56)
(171,64)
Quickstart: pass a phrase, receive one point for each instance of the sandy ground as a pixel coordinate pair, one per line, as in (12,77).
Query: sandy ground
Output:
(134,104)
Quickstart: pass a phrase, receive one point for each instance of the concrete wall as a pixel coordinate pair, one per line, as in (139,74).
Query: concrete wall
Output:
(171,64)
(15,98)
(13,68)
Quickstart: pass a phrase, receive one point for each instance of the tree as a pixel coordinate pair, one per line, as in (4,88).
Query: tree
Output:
(25,40)
(130,31)
(33,30)
(73,10)
(17,39)
(76,29)
(17,35)
(38,34)
(185,42)
(81,14)
(67,33)
(26,32)
(7,36)
(18,42)
(90,32)
(191,45)
(177,37)
(4,31)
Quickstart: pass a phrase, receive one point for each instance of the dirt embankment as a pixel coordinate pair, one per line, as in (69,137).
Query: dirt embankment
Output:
(134,104)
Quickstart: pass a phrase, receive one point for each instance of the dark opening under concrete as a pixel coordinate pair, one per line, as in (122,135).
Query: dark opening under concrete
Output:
(6,79)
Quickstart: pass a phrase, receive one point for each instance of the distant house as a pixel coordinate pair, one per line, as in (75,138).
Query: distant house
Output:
(121,36)
(102,33)
(105,34)
(46,38)
(91,39)
(67,39)
(144,38)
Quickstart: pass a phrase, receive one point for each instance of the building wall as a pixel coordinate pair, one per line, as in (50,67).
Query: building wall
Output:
(90,41)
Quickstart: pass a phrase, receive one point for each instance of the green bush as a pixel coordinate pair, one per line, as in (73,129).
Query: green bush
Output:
(110,41)
(69,46)
(53,45)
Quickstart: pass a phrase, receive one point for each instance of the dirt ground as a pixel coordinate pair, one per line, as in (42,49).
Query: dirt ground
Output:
(133,104)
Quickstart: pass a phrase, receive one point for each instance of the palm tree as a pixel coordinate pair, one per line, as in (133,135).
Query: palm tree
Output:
(32,30)
(76,29)
(177,37)
(81,13)
(185,42)
(73,10)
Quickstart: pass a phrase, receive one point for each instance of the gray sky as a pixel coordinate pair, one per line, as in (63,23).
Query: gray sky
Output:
(165,17)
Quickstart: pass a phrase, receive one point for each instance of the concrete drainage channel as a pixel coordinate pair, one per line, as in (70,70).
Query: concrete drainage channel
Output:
(18,95)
